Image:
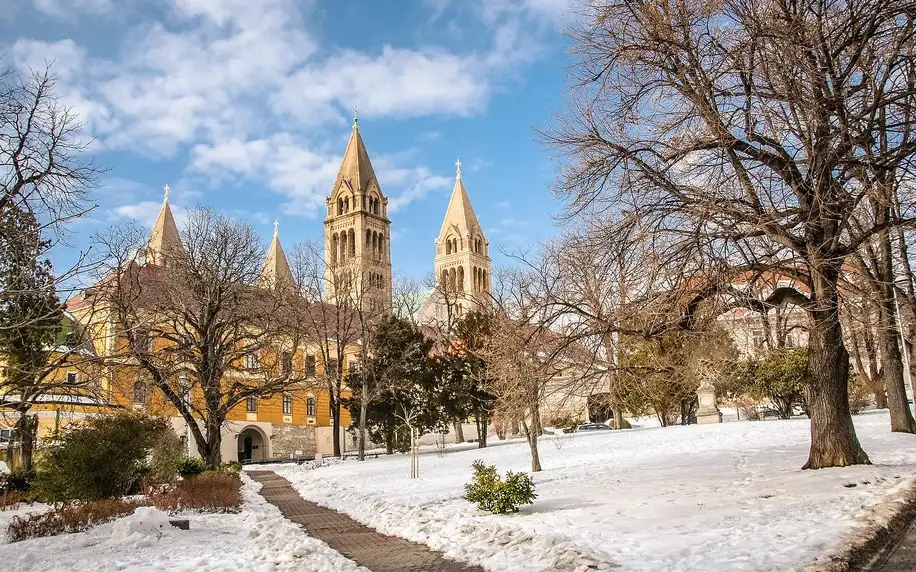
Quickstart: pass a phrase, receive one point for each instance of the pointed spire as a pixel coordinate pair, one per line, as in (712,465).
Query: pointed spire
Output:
(164,240)
(355,168)
(460,213)
(276,267)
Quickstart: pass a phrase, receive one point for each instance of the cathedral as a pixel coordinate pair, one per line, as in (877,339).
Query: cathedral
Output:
(357,234)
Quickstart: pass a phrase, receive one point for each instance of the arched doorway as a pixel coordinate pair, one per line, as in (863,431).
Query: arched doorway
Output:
(252,445)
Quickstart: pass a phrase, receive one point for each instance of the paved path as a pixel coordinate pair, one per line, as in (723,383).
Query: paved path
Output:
(901,558)
(365,546)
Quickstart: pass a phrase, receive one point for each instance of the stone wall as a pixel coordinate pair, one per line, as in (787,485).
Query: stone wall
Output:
(293,441)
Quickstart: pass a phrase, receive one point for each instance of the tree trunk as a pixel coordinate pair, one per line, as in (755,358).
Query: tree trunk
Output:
(481,419)
(363,406)
(28,428)
(335,424)
(459,431)
(888,338)
(389,442)
(211,451)
(531,435)
(833,435)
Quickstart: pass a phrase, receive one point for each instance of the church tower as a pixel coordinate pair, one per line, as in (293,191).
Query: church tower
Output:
(164,241)
(462,262)
(357,233)
(275,273)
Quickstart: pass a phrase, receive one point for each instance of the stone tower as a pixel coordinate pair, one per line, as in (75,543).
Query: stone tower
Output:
(164,242)
(462,262)
(357,233)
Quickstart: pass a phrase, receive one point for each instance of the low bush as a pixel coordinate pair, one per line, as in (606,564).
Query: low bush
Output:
(17,481)
(166,458)
(492,493)
(210,491)
(72,518)
(231,467)
(11,499)
(190,466)
(103,458)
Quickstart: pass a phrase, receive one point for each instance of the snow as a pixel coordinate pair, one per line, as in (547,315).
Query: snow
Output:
(256,539)
(729,496)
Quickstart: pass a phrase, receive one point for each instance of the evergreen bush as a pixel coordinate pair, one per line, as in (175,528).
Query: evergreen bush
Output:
(492,493)
(102,458)
(191,466)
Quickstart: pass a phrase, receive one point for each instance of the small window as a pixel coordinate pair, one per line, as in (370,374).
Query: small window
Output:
(352,368)
(71,339)
(286,363)
(252,362)
(309,365)
(251,405)
(141,391)
(310,407)
(72,378)
(287,404)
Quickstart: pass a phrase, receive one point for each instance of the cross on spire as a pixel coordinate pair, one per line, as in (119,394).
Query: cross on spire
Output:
(166,188)
(276,227)
(458,167)
(355,116)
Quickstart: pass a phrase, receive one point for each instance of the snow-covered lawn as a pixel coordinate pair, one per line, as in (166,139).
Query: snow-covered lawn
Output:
(714,497)
(257,539)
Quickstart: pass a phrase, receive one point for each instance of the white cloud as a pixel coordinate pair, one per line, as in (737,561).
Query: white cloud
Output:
(67,8)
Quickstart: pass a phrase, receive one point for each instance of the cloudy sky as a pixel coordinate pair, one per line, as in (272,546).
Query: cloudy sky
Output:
(246,104)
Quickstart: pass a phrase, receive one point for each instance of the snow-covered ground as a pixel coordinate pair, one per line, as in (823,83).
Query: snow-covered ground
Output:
(257,539)
(702,497)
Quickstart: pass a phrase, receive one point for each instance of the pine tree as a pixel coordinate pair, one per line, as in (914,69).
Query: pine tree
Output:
(30,318)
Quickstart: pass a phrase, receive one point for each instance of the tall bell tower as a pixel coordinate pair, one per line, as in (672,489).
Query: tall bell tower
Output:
(462,260)
(357,233)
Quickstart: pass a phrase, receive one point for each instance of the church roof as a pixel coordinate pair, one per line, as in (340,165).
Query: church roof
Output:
(460,213)
(164,237)
(355,168)
(276,266)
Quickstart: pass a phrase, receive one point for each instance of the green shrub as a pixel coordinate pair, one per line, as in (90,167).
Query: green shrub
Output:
(231,467)
(190,466)
(17,481)
(491,493)
(166,458)
(103,458)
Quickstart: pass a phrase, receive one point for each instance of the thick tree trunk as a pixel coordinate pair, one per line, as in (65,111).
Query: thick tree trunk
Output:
(833,435)
(27,426)
(389,442)
(459,431)
(211,450)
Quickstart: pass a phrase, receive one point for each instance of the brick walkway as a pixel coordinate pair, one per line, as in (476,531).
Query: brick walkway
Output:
(365,546)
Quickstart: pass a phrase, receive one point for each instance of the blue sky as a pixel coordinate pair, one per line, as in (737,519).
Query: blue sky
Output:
(245,105)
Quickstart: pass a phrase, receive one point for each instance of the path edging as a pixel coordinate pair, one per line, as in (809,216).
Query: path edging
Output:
(864,548)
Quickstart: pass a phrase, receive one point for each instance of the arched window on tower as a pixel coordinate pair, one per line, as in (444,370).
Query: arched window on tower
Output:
(460,278)
(443,279)
(352,241)
(374,244)
(346,204)
(381,247)
(334,246)
(452,279)
(343,246)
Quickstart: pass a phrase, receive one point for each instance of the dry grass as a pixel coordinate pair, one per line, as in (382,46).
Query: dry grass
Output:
(11,499)
(73,518)
(210,491)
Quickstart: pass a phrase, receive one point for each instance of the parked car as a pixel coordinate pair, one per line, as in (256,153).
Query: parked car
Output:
(592,427)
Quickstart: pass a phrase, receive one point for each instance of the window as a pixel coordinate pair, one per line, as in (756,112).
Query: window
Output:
(286,363)
(309,365)
(331,369)
(759,338)
(72,378)
(352,368)
(287,404)
(310,407)
(251,405)
(141,391)
(71,339)
(252,362)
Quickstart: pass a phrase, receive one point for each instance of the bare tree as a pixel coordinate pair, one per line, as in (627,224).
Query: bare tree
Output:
(200,329)
(334,325)
(739,131)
